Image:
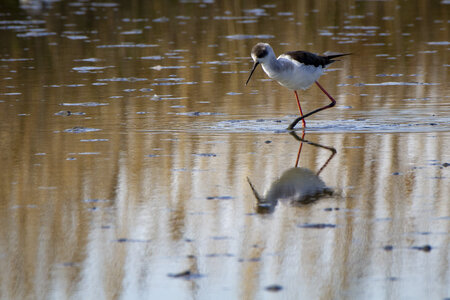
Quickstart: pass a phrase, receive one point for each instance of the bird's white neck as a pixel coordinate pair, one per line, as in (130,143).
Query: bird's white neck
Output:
(271,65)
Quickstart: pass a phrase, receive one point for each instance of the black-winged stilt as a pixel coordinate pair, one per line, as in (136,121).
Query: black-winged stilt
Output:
(295,70)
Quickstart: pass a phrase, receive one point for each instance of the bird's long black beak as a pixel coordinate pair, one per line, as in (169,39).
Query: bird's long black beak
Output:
(251,72)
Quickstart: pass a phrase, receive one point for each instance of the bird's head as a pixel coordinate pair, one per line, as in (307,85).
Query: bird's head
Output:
(261,52)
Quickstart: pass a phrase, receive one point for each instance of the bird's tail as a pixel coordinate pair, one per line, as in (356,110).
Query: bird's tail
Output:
(331,56)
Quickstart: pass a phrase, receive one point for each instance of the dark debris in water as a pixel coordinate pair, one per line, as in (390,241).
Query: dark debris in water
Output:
(205,154)
(274,288)
(331,208)
(67,113)
(188,275)
(219,198)
(126,240)
(425,248)
(198,113)
(219,255)
(388,248)
(316,225)
(252,259)
(95,200)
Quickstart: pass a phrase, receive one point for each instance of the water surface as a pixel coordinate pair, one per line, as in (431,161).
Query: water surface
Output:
(129,140)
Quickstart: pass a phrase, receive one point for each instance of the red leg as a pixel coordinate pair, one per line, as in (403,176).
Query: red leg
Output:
(300,109)
(328,95)
(333,102)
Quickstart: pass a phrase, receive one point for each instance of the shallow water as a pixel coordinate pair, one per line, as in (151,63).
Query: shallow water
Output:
(129,140)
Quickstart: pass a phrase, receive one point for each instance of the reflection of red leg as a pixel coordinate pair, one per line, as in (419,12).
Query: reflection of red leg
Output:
(300,109)
(299,150)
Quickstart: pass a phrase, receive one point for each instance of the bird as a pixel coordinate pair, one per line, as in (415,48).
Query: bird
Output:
(295,70)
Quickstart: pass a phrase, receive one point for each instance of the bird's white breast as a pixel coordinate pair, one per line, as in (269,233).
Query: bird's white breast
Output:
(293,74)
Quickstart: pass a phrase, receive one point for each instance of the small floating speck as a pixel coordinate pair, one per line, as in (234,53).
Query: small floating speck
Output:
(219,198)
(426,248)
(198,113)
(188,275)
(233,93)
(95,200)
(316,225)
(205,154)
(274,288)
(126,240)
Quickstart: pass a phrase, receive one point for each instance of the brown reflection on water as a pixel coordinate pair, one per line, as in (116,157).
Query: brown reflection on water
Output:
(127,136)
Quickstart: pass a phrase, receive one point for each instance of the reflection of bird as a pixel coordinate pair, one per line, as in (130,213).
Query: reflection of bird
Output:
(297,186)
(294,70)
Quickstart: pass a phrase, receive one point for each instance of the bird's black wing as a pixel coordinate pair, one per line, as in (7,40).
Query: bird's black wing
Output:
(308,58)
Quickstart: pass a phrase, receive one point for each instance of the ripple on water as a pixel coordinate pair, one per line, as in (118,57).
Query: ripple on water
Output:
(249,36)
(90,69)
(90,104)
(125,79)
(393,83)
(351,125)
(128,45)
(79,129)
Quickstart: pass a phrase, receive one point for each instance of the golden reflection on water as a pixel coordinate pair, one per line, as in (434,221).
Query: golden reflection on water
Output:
(119,175)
